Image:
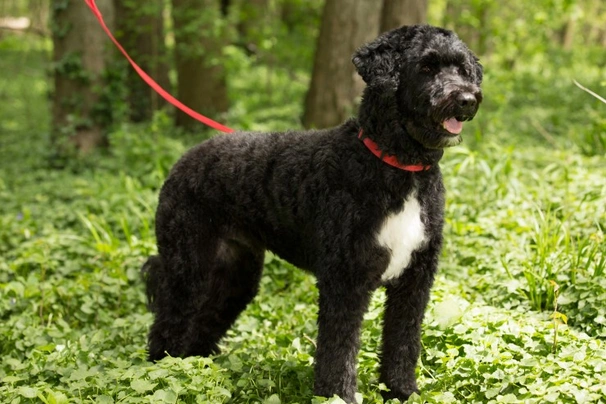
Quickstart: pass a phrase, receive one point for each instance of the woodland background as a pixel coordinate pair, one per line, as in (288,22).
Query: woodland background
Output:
(518,312)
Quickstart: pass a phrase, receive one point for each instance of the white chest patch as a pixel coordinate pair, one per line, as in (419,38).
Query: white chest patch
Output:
(402,233)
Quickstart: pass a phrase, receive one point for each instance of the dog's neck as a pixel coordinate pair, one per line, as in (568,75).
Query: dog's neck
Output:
(381,121)
(391,160)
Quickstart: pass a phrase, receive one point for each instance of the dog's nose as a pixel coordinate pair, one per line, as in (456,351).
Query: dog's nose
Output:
(466,100)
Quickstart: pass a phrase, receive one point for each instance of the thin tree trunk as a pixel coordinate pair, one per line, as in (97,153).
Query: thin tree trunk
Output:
(254,15)
(483,29)
(452,8)
(466,32)
(80,57)
(288,15)
(593,30)
(39,12)
(140,28)
(200,35)
(567,33)
(346,25)
(396,13)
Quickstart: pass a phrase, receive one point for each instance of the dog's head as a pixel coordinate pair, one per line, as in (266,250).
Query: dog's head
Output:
(432,76)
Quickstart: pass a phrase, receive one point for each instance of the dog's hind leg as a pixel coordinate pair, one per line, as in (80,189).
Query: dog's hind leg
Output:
(178,278)
(198,285)
(172,294)
(232,286)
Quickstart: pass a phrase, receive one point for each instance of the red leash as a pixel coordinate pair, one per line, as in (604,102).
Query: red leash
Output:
(207,121)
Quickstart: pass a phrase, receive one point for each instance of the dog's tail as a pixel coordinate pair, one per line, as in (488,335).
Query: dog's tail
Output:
(151,272)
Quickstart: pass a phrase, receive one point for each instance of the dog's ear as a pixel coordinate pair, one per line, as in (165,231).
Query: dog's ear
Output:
(377,62)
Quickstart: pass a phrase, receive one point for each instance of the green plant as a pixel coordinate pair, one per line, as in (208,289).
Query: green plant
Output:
(524,215)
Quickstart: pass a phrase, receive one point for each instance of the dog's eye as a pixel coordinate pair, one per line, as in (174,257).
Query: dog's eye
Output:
(429,65)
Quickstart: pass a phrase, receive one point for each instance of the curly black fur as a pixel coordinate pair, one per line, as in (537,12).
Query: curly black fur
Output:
(318,199)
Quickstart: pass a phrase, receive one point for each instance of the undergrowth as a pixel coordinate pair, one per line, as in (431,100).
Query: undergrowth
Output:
(517,313)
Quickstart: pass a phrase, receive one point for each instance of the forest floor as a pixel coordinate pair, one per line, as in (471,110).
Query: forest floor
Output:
(525,220)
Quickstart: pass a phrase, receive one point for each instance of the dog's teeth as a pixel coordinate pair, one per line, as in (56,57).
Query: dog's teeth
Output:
(453,126)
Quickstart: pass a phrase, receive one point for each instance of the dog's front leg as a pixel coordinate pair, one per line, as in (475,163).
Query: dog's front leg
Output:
(342,309)
(405,307)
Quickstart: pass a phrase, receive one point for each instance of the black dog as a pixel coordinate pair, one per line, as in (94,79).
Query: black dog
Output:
(360,206)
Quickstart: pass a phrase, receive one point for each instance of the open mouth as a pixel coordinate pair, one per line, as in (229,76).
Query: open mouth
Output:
(454,125)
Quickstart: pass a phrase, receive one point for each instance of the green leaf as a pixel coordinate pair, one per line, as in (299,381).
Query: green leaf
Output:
(28,392)
(273,399)
(11,379)
(103,399)
(142,385)
(508,398)
(165,396)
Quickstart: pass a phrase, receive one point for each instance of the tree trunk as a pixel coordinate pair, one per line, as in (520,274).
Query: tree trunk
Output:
(567,33)
(200,34)
(396,13)
(140,29)
(346,25)
(252,22)
(80,58)
(288,15)
(39,12)
(467,32)
(483,30)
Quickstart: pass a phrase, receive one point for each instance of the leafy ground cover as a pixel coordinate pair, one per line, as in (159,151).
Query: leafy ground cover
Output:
(517,315)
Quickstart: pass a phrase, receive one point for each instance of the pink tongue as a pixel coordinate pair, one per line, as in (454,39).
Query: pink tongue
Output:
(453,126)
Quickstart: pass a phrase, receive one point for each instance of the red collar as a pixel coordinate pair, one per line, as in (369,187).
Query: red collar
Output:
(389,159)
